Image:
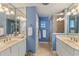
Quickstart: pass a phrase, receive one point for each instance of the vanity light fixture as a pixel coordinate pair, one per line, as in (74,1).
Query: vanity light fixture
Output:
(77,7)
(6,9)
(0,5)
(1,9)
(60,19)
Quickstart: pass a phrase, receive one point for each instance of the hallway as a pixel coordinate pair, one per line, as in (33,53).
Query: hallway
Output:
(45,50)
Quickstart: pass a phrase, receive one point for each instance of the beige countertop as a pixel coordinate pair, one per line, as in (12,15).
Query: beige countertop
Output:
(68,41)
(14,40)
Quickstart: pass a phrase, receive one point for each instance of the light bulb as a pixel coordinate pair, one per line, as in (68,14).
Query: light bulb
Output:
(60,19)
(6,9)
(61,14)
(73,10)
(77,7)
(57,20)
(1,10)
(12,12)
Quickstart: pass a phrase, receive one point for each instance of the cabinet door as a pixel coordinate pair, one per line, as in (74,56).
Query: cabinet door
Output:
(76,52)
(22,48)
(63,49)
(15,50)
(58,47)
(67,50)
(5,52)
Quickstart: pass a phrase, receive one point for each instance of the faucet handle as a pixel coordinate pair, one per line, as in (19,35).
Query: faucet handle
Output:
(71,38)
(76,40)
(4,41)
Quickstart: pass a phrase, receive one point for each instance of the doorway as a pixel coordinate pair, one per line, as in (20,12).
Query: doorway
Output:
(44,48)
(44,29)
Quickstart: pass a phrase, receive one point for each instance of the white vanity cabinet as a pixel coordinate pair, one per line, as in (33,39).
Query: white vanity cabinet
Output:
(5,52)
(63,49)
(18,49)
(14,50)
(76,52)
(67,50)
(58,47)
(22,48)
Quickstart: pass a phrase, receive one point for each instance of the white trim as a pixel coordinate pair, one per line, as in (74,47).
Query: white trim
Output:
(37,28)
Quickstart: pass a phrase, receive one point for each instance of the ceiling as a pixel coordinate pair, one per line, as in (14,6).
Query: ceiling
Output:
(48,10)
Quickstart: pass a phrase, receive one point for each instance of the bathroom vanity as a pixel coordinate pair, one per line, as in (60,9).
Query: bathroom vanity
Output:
(13,46)
(67,45)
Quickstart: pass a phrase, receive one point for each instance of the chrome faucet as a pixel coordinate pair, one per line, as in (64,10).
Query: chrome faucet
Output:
(76,40)
(71,38)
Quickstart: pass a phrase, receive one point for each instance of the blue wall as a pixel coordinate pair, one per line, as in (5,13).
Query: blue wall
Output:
(31,22)
(44,20)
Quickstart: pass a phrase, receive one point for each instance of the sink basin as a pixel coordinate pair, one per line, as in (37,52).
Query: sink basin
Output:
(73,44)
(10,41)
(2,45)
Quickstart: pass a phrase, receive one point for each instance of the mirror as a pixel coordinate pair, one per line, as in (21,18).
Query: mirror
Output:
(73,23)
